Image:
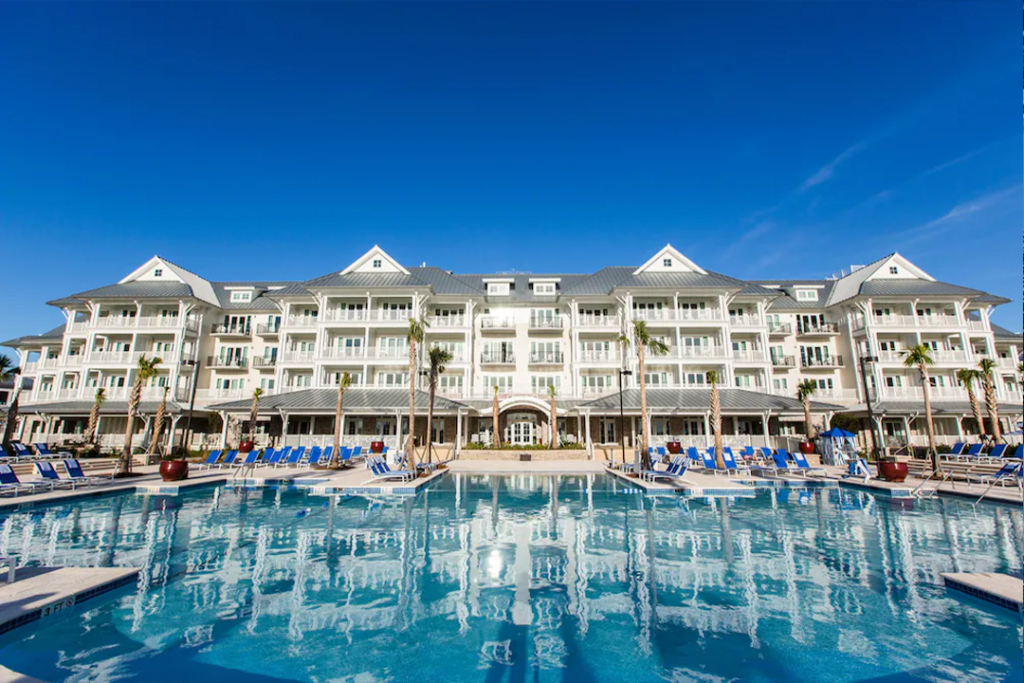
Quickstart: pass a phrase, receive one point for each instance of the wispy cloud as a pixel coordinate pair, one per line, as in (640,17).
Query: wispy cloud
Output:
(1009,197)
(828,170)
(965,157)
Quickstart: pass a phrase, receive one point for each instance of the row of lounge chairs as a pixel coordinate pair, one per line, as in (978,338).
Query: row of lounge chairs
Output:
(50,479)
(773,462)
(282,457)
(24,453)
(962,452)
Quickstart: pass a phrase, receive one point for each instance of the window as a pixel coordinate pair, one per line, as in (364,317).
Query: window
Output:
(241,296)
(893,270)
(540,383)
(544,289)
(377,263)
(806,295)
(159,272)
(667,263)
(503,382)
(498,288)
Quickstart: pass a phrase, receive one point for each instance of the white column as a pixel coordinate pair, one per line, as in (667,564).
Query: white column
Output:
(707,429)
(458,433)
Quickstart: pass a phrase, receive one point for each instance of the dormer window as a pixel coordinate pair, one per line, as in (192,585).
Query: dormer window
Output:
(667,263)
(806,295)
(377,263)
(498,289)
(159,272)
(241,297)
(544,288)
(893,270)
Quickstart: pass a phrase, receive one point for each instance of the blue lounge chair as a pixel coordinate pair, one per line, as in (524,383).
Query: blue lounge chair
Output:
(748,453)
(662,452)
(708,460)
(314,452)
(804,467)
(779,462)
(766,454)
(9,483)
(270,458)
(316,457)
(229,460)
(356,452)
(974,451)
(731,466)
(1010,473)
(676,468)
(74,469)
(694,455)
(293,458)
(859,469)
(3,455)
(43,451)
(998,451)
(46,471)
(21,451)
(380,470)
(251,459)
(955,452)
(210,461)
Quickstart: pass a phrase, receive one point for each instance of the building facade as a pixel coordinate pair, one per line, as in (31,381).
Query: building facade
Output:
(519,336)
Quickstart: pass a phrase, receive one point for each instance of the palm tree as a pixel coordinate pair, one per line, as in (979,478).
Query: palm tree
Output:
(146,370)
(254,411)
(438,358)
(987,367)
(716,418)
(644,343)
(967,377)
(495,438)
(413,336)
(344,382)
(804,390)
(158,422)
(554,416)
(8,370)
(920,357)
(94,415)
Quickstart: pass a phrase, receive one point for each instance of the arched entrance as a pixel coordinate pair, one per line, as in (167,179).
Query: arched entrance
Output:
(521,429)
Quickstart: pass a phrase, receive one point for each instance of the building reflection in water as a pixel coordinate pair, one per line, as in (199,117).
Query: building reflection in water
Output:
(534,573)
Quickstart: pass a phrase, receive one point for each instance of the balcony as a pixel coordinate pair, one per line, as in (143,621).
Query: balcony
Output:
(79,327)
(342,353)
(939,356)
(400,354)
(231,331)
(822,329)
(493,323)
(487,358)
(448,321)
(916,394)
(938,320)
(119,357)
(752,355)
(597,392)
(598,321)
(780,329)
(227,363)
(298,357)
(390,316)
(263,363)
(207,396)
(345,315)
(300,322)
(546,324)
(783,362)
(699,315)
(268,330)
(546,358)
(701,352)
(597,356)
(745,321)
(146,322)
(826,363)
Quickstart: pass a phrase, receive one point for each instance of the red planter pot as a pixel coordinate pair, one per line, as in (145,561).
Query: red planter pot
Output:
(674,447)
(174,470)
(246,447)
(376,447)
(806,447)
(893,471)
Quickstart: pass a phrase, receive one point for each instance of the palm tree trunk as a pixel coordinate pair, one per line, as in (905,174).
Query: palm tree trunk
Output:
(339,406)
(158,425)
(806,400)
(716,424)
(929,423)
(125,466)
(94,419)
(645,457)
(430,421)
(411,444)
(554,424)
(976,410)
(993,410)
(495,438)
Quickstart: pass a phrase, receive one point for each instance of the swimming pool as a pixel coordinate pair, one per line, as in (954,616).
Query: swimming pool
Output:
(526,578)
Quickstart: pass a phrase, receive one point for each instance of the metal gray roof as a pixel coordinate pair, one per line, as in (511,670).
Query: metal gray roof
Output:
(356,400)
(364,281)
(521,292)
(939,408)
(698,400)
(132,290)
(54,334)
(600,283)
(443,282)
(909,287)
(108,408)
(260,300)
(680,281)
(1003,333)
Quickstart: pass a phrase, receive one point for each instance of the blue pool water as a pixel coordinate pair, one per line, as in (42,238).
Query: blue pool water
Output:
(522,579)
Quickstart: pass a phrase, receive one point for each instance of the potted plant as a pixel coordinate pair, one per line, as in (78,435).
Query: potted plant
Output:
(376,447)
(803,393)
(674,447)
(892,470)
(173,468)
(246,445)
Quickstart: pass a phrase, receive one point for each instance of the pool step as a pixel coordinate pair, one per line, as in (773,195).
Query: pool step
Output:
(999,589)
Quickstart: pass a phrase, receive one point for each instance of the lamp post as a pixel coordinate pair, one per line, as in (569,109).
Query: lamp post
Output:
(867,400)
(622,417)
(194,364)
(430,435)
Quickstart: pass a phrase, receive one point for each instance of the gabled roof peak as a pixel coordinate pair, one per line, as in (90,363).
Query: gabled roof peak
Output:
(376,260)
(669,260)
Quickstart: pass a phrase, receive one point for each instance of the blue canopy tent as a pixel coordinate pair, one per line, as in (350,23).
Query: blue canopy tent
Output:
(838,446)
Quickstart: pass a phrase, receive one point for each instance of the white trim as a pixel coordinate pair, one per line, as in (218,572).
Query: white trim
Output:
(668,251)
(376,252)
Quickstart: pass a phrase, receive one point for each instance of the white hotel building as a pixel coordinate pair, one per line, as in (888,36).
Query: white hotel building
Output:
(521,333)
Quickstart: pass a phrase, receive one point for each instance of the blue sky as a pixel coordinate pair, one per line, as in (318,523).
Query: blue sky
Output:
(280,141)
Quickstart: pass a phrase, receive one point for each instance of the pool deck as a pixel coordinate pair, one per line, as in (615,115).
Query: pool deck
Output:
(44,593)
(999,589)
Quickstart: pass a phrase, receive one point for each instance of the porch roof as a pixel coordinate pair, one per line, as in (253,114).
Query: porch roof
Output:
(356,401)
(734,401)
(75,408)
(939,408)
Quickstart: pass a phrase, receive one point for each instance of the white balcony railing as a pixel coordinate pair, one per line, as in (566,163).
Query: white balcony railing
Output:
(820,328)
(598,321)
(448,321)
(553,323)
(543,358)
(707,352)
(597,356)
(756,355)
(390,316)
(494,322)
(497,358)
(916,394)
(826,362)
(345,315)
(938,321)
(300,322)
(699,315)
(291,356)
(784,361)
(342,353)
(231,330)
(745,320)
(939,356)
(780,328)
(384,353)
